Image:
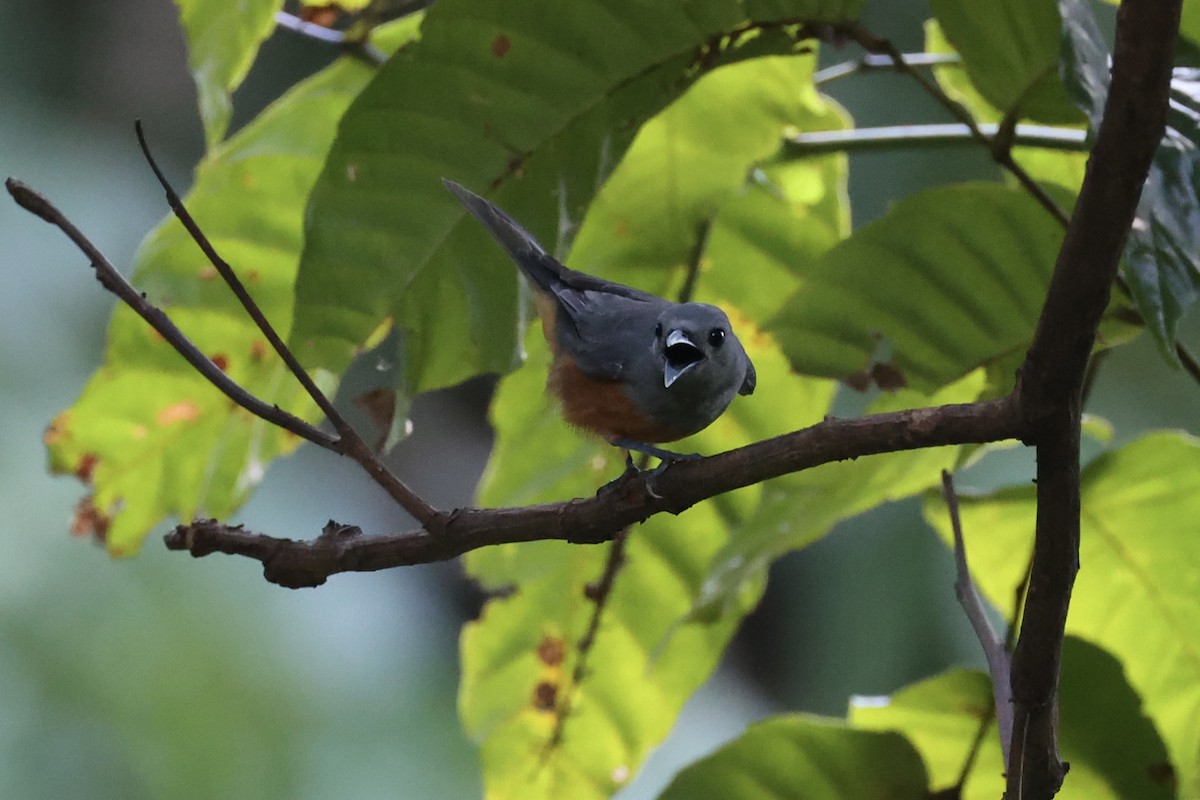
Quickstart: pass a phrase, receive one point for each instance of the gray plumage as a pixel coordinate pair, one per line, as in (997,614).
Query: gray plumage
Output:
(680,363)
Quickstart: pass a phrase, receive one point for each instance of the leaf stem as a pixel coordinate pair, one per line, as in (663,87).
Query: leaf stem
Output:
(890,136)
(872,62)
(359,48)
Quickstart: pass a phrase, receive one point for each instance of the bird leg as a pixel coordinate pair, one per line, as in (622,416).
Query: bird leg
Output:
(666,458)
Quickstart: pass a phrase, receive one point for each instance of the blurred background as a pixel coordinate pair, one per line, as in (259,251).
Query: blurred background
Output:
(162,676)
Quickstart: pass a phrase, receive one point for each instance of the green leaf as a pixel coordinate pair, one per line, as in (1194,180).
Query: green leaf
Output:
(778,228)
(1095,701)
(645,663)
(1010,51)
(537,100)
(1045,165)
(1161,263)
(520,658)
(952,279)
(796,510)
(953,78)
(1084,56)
(942,715)
(151,435)
(223,39)
(1189,23)
(804,756)
(1135,594)
(709,157)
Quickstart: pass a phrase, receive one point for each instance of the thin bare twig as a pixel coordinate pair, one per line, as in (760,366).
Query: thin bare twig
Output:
(238,288)
(999,667)
(347,442)
(115,282)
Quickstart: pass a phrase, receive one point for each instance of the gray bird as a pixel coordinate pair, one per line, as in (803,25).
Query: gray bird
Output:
(627,365)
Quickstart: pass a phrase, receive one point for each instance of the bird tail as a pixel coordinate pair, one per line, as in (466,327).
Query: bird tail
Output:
(531,257)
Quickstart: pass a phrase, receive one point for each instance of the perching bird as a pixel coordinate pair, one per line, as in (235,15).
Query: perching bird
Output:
(627,365)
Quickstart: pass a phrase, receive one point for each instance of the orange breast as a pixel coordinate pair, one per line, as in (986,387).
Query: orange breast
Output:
(602,407)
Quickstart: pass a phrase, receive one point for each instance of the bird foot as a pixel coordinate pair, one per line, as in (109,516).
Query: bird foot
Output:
(630,470)
(666,459)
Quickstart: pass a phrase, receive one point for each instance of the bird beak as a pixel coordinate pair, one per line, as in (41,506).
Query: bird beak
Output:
(681,353)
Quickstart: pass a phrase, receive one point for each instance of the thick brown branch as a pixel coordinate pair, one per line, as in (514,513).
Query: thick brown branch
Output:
(597,519)
(1050,380)
(1133,125)
(1035,769)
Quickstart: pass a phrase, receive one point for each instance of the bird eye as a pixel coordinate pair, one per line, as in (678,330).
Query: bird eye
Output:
(658,331)
(716,337)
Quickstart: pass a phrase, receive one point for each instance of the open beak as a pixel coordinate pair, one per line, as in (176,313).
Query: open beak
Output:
(681,353)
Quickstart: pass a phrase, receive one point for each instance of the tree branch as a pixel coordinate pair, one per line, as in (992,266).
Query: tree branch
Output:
(347,442)
(994,648)
(626,502)
(115,282)
(1050,379)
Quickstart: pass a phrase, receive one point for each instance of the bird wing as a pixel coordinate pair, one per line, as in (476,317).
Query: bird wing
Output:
(600,324)
(605,332)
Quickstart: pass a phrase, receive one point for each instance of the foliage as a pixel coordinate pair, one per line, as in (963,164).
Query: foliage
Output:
(647,143)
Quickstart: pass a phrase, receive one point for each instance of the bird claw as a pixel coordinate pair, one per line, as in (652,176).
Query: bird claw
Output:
(630,470)
(650,476)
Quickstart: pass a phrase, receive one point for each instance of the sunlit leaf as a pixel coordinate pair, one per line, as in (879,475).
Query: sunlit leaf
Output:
(510,694)
(709,159)
(796,510)
(1061,167)
(951,279)
(804,756)
(941,716)
(223,39)
(150,435)
(1010,51)
(1139,572)
(532,102)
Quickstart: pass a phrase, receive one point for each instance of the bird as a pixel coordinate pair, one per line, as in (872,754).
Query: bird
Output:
(627,366)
